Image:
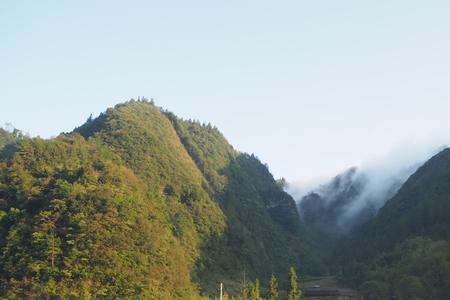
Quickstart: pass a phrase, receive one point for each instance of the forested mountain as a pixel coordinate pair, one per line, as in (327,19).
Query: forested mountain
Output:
(140,204)
(263,229)
(333,210)
(326,209)
(405,249)
(348,200)
(388,241)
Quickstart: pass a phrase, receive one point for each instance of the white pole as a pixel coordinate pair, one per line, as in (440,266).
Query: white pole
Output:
(221,291)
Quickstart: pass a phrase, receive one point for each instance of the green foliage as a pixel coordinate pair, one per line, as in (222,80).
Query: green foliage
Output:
(208,148)
(75,224)
(143,137)
(246,290)
(404,250)
(138,204)
(294,292)
(374,290)
(263,231)
(250,290)
(8,141)
(417,267)
(254,291)
(5,138)
(418,209)
(273,289)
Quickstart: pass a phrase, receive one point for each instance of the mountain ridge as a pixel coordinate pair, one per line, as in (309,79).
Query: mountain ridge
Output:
(210,212)
(405,248)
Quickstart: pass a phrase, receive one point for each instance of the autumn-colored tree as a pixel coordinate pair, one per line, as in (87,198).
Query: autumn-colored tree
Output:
(294,291)
(273,288)
(254,291)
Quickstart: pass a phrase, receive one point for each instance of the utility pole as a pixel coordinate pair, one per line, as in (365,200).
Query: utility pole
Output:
(221,291)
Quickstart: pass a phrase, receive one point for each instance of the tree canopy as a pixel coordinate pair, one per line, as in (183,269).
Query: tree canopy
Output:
(139,204)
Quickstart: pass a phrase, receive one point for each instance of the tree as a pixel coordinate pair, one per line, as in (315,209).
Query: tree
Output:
(281,183)
(273,288)
(254,291)
(374,290)
(294,291)
(246,289)
(250,291)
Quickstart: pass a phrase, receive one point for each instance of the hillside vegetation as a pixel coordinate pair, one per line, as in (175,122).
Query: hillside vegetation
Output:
(139,204)
(8,141)
(404,250)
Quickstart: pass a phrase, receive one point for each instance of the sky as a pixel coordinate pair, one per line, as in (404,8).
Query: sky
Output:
(310,87)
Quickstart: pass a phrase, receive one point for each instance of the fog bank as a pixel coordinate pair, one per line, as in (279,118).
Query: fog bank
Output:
(368,185)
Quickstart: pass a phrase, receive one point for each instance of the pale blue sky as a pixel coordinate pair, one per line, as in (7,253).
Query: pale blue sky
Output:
(311,87)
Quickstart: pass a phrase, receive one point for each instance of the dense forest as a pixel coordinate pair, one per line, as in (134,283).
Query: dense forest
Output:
(140,204)
(404,249)
(401,249)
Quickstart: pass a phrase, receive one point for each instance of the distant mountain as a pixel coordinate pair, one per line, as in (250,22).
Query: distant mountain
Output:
(405,249)
(385,238)
(334,209)
(348,200)
(327,208)
(140,204)
(420,208)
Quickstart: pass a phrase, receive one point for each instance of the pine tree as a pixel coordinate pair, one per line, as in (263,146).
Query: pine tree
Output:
(254,291)
(273,288)
(294,291)
(245,290)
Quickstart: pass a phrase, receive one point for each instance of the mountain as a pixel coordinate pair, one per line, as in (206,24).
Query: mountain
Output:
(141,204)
(349,199)
(385,234)
(138,203)
(405,249)
(263,229)
(420,207)
(326,209)
(333,210)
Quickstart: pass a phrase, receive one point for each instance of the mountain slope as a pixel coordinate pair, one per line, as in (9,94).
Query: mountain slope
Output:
(333,210)
(75,224)
(241,220)
(140,204)
(263,232)
(420,207)
(408,238)
(325,210)
(145,140)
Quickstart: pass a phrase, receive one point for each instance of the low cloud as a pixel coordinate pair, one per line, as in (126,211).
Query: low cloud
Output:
(377,180)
